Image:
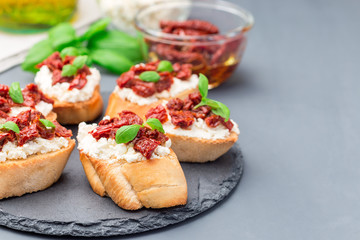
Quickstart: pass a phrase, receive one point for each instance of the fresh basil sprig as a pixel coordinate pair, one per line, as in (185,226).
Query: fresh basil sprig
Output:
(217,107)
(47,123)
(165,66)
(149,76)
(127,133)
(10,126)
(15,93)
(71,69)
(113,50)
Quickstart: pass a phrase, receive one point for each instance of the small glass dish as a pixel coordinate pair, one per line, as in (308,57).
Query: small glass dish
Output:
(215,55)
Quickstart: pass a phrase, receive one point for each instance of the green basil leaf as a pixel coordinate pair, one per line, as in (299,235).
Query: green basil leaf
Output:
(69,51)
(118,43)
(111,60)
(203,85)
(144,47)
(154,123)
(15,93)
(95,28)
(165,66)
(10,126)
(68,70)
(38,53)
(126,134)
(47,123)
(149,76)
(219,108)
(79,61)
(62,35)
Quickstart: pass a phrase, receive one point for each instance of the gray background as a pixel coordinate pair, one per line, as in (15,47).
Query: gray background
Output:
(296,98)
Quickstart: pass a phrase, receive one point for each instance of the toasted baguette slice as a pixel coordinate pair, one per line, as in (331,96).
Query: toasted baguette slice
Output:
(117,104)
(154,183)
(35,173)
(74,113)
(199,150)
(51,116)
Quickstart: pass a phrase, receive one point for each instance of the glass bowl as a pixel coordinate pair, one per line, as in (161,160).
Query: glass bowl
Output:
(215,55)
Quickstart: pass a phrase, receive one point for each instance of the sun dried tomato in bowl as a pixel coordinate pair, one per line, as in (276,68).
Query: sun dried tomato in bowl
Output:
(209,34)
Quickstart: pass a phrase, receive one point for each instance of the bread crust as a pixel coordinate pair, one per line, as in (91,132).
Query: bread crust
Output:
(154,183)
(36,172)
(117,104)
(51,116)
(199,150)
(74,113)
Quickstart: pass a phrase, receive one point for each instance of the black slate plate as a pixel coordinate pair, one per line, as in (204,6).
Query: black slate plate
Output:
(70,207)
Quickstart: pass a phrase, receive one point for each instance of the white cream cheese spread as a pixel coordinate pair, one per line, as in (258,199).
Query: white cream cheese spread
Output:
(38,145)
(61,91)
(108,149)
(177,87)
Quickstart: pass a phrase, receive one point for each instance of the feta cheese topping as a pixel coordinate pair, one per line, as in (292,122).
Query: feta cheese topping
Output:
(61,91)
(38,145)
(177,87)
(108,149)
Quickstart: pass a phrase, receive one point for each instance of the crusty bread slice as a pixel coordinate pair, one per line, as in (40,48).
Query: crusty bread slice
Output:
(154,183)
(74,113)
(117,104)
(51,116)
(34,173)
(192,149)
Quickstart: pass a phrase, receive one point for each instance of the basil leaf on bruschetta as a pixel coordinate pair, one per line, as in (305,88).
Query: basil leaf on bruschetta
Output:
(165,66)
(149,76)
(47,123)
(10,126)
(15,93)
(126,133)
(154,123)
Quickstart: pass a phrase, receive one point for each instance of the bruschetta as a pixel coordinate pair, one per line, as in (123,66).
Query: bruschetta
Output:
(76,92)
(141,171)
(197,134)
(145,85)
(33,153)
(29,98)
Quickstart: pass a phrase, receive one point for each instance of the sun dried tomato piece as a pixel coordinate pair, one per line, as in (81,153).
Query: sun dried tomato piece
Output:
(125,79)
(68,60)
(78,82)
(146,146)
(27,134)
(131,117)
(140,68)
(57,78)
(165,82)
(4,105)
(175,104)
(196,25)
(229,125)
(144,89)
(201,112)
(3,114)
(44,132)
(32,96)
(3,139)
(104,131)
(174,55)
(158,112)
(22,119)
(4,91)
(213,121)
(156,135)
(182,119)
(60,131)
(54,61)
(182,71)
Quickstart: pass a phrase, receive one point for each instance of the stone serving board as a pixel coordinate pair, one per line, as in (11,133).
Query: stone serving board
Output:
(70,207)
